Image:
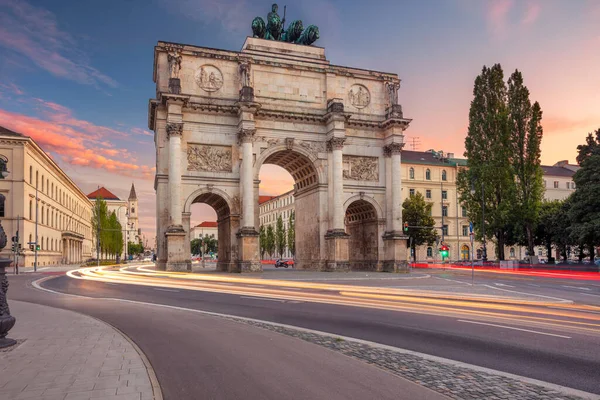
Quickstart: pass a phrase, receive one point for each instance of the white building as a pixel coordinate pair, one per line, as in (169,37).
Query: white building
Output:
(271,207)
(206,228)
(558,180)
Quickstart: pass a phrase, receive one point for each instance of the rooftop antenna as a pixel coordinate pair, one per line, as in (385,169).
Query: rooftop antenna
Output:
(415,143)
(283,21)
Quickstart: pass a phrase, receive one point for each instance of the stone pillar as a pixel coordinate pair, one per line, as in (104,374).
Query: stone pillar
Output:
(249,252)
(186,227)
(396,243)
(177,258)
(336,238)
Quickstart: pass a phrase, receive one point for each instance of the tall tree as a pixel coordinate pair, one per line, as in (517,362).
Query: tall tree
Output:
(99,224)
(524,124)
(195,246)
(291,234)
(547,229)
(489,179)
(280,236)
(115,235)
(262,241)
(270,241)
(417,213)
(584,212)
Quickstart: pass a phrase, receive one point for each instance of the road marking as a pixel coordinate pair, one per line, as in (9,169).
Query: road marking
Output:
(531,294)
(261,298)
(502,284)
(576,287)
(531,284)
(513,328)
(583,311)
(452,280)
(165,290)
(587,294)
(295,302)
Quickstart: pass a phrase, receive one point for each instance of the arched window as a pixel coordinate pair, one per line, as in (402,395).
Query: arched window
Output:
(42,214)
(428,174)
(37,181)
(133,210)
(429,252)
(444,175)
(411,173)
(42,244)
(43,183)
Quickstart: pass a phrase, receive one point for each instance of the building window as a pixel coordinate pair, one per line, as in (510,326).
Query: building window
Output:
(429,252)
(465,230)
(30,210)
(568,185)
(444,211)
(445,230)
(512,252)
(555,184)
(540,251)
(428,193)
(464,211)
(411,173)
(412,192)
(572,185)
(30,175)
(133,210)
(43,183)
(444,195)
(444,175)
(428,174)
(42,215)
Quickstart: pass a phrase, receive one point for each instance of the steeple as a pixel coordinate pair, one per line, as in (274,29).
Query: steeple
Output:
(132,195)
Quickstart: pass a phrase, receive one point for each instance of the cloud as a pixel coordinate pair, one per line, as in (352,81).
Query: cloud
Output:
(234,15)
(34,33)
(76,142)
(555,125)
(531,13)
(497,17)
(11,88)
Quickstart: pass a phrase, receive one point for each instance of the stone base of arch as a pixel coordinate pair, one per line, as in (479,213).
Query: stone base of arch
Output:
(178,257)
(248,251)
(338,255)
(396,253)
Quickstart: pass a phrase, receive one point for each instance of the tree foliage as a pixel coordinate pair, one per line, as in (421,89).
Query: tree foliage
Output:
(417,213)
(135,248)
(262,241)
(280,236)
(106,230)
(270,241)
(584,211)
(291,234)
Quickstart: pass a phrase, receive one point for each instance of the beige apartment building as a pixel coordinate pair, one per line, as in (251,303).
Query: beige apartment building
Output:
(434,175)
(62,211)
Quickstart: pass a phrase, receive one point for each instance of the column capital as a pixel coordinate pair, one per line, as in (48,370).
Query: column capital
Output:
(335,143)
(174,129)
(393,148)
(246,135)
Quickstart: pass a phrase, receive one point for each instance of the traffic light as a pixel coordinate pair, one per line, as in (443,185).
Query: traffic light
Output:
(406,227)
(14,247)
(31,247)
(444,251)
(37,247)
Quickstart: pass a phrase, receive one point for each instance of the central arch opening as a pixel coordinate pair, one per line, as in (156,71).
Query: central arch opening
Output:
(362,226)
(211,232)
(289,190)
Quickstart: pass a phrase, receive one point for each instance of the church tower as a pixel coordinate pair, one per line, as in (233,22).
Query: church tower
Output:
(132,207)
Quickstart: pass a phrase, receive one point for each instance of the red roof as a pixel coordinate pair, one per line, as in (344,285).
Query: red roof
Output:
(264,199)
(207,224)
(104,193)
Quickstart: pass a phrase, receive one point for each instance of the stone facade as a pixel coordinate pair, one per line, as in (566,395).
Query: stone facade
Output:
(63,211)
(218,116)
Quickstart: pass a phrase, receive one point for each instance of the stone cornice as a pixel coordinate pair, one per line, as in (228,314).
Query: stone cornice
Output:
(403,122)
(285,115)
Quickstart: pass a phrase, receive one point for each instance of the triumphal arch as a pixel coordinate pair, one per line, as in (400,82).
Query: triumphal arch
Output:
(220,115)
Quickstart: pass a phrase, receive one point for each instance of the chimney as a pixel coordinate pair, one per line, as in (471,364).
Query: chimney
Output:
(450,155)
(561,163)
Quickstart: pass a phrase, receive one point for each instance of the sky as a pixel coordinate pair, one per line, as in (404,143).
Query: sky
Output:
(76,76)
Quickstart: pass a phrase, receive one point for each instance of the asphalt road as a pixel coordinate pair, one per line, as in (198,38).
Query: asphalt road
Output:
(562,354)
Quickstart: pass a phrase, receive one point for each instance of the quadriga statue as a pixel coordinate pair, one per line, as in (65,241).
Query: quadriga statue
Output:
(274,29)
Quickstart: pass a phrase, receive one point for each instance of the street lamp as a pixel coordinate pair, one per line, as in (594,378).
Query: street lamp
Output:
(126,226)
(484,255)
(7,321)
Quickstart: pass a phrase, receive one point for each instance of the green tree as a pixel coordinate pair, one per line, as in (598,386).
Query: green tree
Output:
(489,178)
(99,225)
(280,236)
(524,124)
(262,241)
(135,248)
(417,213)
(270,241)
(196,246)
(584,211)
(291,234)
(547,229)
(114,236)
(210,243)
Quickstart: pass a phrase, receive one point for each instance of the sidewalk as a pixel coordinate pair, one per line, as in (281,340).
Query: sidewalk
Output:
(63,355)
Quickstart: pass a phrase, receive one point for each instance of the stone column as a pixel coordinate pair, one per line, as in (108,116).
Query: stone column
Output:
(178,259)
(186,227)
(395,149)
(337,145)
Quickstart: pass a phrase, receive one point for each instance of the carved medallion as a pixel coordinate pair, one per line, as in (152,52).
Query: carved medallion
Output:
(359,96)
(209,158)
(361,168)
(209,78)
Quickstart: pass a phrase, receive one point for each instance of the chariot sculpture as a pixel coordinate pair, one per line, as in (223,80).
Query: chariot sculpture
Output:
(274,29)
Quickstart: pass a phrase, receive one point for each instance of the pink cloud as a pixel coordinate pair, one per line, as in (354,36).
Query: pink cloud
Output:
(497,17)
(34,33)
(12,88)
(531,13)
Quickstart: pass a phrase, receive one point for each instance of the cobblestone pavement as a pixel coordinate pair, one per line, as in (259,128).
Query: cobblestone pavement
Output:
(64,355)
(450,380)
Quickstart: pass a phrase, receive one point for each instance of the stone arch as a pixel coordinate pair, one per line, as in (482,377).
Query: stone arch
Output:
(299,162)
(368,199)
(227,224)
(362,224)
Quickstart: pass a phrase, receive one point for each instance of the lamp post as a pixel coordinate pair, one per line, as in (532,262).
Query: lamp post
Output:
(484,255)
(7,321)
(125,230)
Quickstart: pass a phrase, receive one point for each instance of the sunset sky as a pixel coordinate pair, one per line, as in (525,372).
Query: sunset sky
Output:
(76,76)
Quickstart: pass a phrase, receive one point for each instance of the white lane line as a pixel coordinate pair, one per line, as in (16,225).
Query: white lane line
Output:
(261,298)
(502,284)
(166,290)
(295,302)
(531,294)
(587,294)
(452,280)
(513,328)
(531,284)
(583,311)
(576,287)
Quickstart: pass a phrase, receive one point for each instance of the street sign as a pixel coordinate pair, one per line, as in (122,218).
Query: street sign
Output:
(471,227)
